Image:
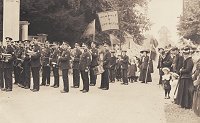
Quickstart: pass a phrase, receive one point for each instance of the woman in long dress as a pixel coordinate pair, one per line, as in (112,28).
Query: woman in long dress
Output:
(196,98)
(145,67)
(185,84)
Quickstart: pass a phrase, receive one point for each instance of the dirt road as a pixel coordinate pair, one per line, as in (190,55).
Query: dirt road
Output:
(135,103)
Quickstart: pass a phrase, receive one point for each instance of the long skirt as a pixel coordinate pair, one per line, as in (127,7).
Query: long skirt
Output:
(185,93)
(143,74)
(196,102)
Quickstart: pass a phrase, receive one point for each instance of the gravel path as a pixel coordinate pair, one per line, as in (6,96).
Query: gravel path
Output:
(175,114)
(135,103)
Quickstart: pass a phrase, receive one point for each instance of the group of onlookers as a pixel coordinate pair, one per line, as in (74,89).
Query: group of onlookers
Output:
(178,64)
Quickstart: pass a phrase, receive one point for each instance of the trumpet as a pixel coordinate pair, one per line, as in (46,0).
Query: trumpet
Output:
(6,57)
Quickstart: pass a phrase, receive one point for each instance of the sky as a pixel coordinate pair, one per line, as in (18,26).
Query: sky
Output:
(165,13)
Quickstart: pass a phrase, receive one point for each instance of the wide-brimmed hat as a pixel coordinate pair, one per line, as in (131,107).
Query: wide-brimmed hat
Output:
(160,48)
(9,38)
(124,51)
(186,50)
(145,50)
(166,69)
(174,49)
(112,51)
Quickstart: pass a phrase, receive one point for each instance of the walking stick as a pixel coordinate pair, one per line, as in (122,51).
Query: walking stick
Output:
(177,84)
(148,66)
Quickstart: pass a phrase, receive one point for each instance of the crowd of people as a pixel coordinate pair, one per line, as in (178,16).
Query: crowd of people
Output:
(175,63)
(28,58)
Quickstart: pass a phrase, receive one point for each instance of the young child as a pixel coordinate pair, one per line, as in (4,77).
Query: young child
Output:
(166,78)
(132,69)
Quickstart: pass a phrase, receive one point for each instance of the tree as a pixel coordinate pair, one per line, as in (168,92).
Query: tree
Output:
(66,20)
(189,26)
(1,19)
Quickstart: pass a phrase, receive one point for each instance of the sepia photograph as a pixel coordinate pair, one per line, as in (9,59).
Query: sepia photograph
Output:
(99,61)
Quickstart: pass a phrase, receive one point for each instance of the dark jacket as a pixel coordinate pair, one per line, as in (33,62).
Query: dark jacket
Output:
(85,60)
(160,62)
(125,62)
(177,63)
(167,61)
(113,61)
(1,57)
(186,71)
(77,56)
(54,57)
(27,62)
(95,55)
(144,62)
(64,60)
(106,59)
(46,57)
(35,59)
(9,64)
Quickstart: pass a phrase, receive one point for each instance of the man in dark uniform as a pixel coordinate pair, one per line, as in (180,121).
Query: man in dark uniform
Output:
(94,63)
(18,64)
(35,66)
(118,68)
(106,66)
(160,63)
(167,60)
(26,73)
(113,61)
(65,66)
(177,63)
(8,65)
(76,61)
(124,64)
(1,66)
(15,48)
(55,66)
(85,62)
(46,69)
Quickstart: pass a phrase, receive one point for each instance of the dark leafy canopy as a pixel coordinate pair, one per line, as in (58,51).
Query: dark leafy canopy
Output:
(1,19)
(189,26)
(66,20)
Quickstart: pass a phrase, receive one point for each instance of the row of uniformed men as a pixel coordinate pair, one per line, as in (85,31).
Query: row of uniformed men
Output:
(25,59)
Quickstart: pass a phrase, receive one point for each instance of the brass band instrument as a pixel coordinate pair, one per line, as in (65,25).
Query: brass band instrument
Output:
(6,57)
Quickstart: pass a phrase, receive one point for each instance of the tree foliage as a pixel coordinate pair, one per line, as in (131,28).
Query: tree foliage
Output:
(67,19)
(1,19)
(189,26)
